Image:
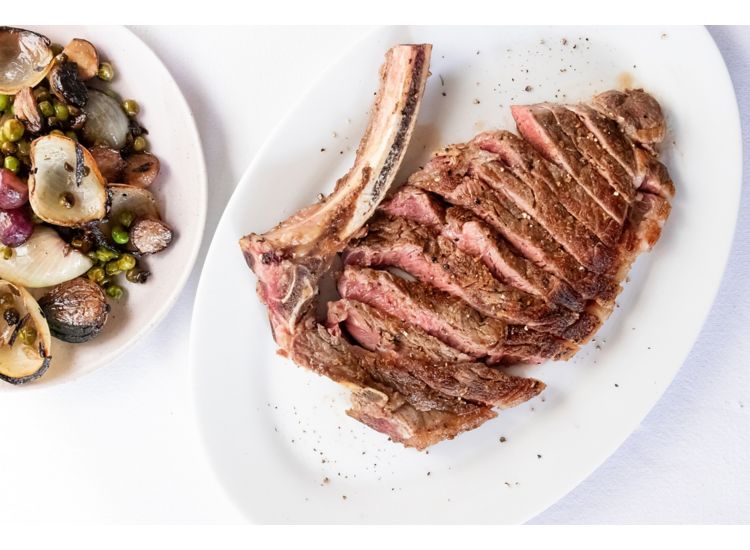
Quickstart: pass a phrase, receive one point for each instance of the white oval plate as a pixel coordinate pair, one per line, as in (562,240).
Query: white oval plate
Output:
(277,435)
(180,190)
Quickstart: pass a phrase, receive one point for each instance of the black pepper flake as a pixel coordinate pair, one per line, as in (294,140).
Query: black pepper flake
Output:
(539,456)
(617,385)
(503,439)
(322,149)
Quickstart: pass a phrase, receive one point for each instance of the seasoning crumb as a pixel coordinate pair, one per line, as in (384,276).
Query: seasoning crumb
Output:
(444,94)
(539,456)
(503,439)
(322,149)
(617,385)
(528,88)
(564,41)
(326,481)
(476,101)
(477,52)
(428,473)
(664,35)
(343,497)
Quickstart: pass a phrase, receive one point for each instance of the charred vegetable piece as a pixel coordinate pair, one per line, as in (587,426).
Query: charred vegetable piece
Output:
(66,86)
(26,109)
(75,310)
(24,344)
(15,227)
(106,122)
(149,235)
(14,193)
(84,55)
(109,161)
(66,187)
(25,59)
(43,260)
(141,169)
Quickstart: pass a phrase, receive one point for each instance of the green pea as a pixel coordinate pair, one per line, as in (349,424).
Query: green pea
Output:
(114,291)
(12,164)
(139,144)
(61,111)
(46,108)
(8,148)
(106,72)
(13,129)
(126,262)
(112,268)
(131,107)
(7,253)
(120,235)
(4,102)
(126,218)
(95,274)
(72,135)
(105,255)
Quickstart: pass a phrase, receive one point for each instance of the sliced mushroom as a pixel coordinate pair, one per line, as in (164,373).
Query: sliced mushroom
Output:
(66,187)
(84,55)
(65,84)
(25,341)
(26,109)
(109,161)
(43,260)
(75,310)
(141,169)
(149,235)
(106,122)
(25,59)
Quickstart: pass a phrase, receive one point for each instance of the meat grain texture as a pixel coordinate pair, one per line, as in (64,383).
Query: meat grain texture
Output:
(510,249)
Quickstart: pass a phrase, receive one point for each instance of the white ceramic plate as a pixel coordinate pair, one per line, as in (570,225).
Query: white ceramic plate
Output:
(277,435)
(180,190)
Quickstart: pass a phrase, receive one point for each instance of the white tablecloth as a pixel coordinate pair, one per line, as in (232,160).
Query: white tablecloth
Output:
(121,444)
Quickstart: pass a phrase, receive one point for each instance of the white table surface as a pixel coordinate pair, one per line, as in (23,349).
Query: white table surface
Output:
(121,445)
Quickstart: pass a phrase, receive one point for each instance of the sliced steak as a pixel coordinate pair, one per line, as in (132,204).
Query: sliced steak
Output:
(437,313)
(639,115)
(539,127)
(541,206)
(388,412)
(528,165)
(475,237)
(378,331)
(593,152)
(450,319)
(402,243)
(531,240)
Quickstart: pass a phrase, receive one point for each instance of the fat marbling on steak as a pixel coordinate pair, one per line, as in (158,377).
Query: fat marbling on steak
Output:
(503,250)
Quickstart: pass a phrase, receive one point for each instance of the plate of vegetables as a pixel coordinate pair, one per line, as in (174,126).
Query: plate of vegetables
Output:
(102,198)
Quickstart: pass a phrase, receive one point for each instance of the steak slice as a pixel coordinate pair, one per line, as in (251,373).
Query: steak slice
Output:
(458,388)
(475,237)
(639,115)
(402,243)
(647,172)
(443,176)
(386,411)
(437,313)
(378,331)
(528,165)
(290,259)
(450,319)
(539,127)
